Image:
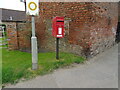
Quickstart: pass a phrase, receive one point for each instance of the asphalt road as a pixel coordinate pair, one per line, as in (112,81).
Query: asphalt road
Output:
(99,72)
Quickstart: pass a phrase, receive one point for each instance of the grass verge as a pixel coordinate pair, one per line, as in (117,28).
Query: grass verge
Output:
(17,64)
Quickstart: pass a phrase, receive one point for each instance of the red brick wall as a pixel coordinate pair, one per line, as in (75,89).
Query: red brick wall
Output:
(91,27)
(24,35)
(12,35)
(18,35)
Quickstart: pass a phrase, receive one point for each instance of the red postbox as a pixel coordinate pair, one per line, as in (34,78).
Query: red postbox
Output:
(58,27)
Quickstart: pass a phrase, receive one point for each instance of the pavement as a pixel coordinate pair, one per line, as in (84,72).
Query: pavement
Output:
(98,72)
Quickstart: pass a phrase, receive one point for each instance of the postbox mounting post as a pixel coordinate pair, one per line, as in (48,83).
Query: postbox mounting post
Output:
(57,48)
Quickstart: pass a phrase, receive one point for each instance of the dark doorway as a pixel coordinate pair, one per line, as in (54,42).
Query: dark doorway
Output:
(3,36)
(2,30)
(118,33)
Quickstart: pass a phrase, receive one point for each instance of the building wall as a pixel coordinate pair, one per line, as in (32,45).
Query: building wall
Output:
(12,35)
(24,35)
(90,27)
(18,34)
(103,31)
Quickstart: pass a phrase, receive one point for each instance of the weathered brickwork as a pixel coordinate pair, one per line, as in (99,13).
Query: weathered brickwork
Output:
(103,31)
(90,27)
(12,35)
(18,35)
(24,35)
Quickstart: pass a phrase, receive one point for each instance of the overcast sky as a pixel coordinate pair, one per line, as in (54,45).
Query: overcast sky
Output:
(12,4)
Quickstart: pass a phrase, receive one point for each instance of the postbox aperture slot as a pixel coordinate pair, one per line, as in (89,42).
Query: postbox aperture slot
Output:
(60,21)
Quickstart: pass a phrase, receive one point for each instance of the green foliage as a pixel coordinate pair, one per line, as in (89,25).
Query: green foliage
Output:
(17,65)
